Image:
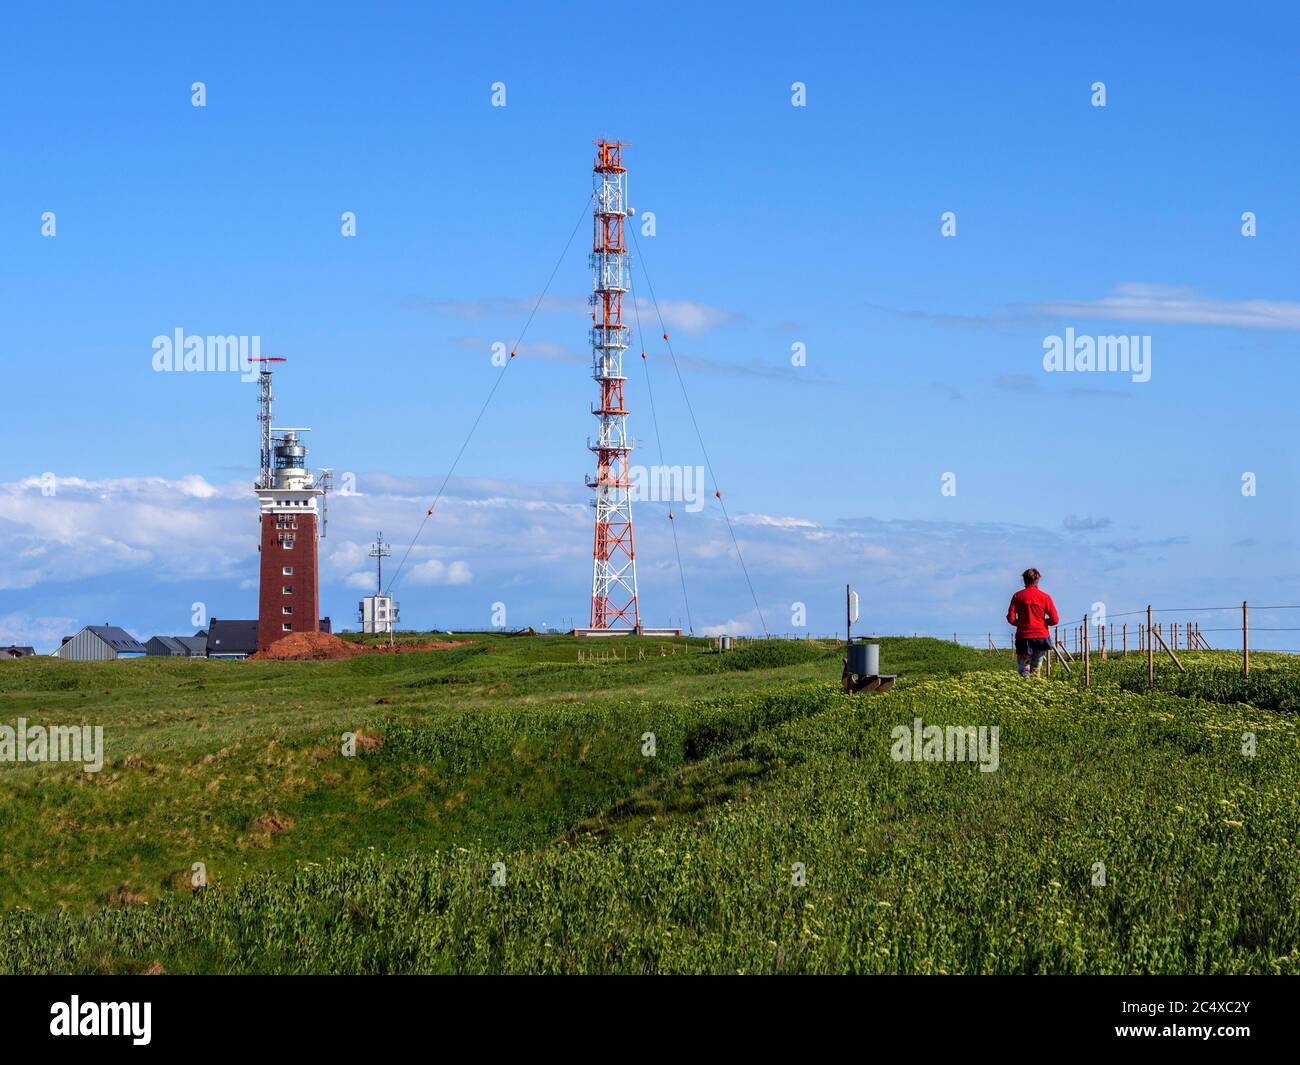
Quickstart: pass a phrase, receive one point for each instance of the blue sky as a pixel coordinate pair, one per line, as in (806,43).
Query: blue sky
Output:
(776,225)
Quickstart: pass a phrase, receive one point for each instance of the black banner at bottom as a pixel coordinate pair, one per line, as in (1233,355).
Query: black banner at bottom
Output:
(335,1014)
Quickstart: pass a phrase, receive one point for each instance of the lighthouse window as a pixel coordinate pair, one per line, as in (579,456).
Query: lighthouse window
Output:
(286,627)
(287,542)
(288,589)
(286,610)
(288,571)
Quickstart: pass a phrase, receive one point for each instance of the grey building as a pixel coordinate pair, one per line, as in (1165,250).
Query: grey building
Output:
(178,646)
(13,651)
(97,643)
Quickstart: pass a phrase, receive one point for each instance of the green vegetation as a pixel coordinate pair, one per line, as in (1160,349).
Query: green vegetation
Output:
(511,757)
(1215,676)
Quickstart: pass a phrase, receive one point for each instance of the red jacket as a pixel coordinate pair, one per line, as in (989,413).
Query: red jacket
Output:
(1031,612)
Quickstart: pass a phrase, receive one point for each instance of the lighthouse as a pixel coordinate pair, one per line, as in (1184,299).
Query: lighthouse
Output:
(293,516)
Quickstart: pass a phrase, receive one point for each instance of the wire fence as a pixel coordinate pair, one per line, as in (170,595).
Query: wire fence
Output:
(1203,628)
(1098,636)
(1157,631)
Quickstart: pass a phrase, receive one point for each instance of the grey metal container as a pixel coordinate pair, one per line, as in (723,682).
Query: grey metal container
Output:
(725,643)
(864,659)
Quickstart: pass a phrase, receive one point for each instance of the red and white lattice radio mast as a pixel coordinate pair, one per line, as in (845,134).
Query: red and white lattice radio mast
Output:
(613,574)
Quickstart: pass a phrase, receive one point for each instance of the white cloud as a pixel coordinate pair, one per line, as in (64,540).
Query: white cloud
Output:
(1178,306)
(28,631)
(434,571)
(732,626)
(196,487)
(780,523)
(183,529)
(691,317)
(130,549)
(343,556)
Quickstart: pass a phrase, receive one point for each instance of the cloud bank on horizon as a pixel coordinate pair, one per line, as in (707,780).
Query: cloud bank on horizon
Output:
(142,551)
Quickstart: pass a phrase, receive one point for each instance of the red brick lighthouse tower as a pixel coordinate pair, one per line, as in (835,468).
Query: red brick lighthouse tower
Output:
(292,516)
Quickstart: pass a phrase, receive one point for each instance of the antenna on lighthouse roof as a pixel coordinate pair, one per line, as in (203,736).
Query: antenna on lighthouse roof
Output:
(267,475)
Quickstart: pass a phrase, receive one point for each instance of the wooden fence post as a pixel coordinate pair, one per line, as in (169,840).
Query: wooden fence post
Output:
(1125,632)
(1245,640)
(1151,661)
(1087,666)
(1170,653)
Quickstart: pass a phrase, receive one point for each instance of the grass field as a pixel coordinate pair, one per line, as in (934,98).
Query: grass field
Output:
(769,831)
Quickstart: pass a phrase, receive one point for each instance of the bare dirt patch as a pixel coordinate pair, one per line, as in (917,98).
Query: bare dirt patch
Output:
(271,824)
(123,895)
(325,646)
(308,646)
(367,741)
(428,645)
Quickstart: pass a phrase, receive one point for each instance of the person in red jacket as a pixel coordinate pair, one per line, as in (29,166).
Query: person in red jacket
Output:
(1033,613)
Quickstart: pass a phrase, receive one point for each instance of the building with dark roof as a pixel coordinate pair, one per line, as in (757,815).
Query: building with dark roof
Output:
(97,643)
(178,646)
(232,639)
(196,646)
(14,651)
